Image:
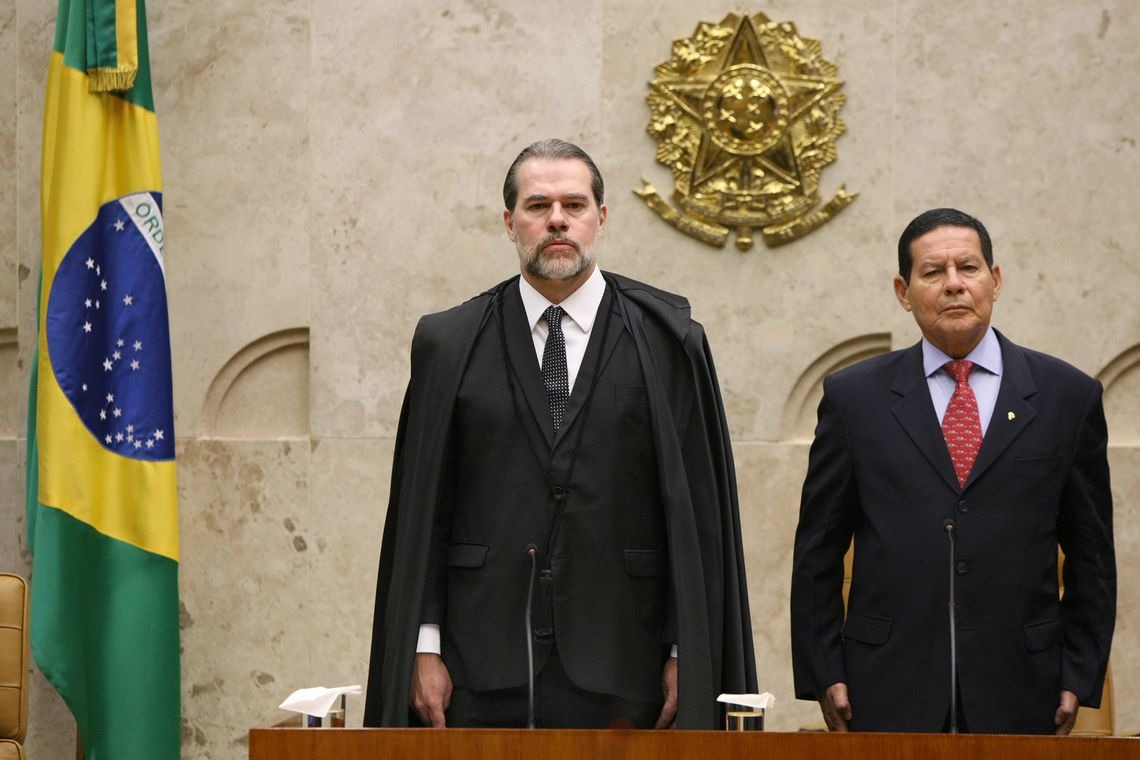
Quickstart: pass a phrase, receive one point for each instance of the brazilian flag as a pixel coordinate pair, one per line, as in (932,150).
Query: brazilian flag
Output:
(102,502)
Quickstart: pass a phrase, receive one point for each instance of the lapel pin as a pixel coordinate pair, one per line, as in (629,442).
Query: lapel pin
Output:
(1012,416)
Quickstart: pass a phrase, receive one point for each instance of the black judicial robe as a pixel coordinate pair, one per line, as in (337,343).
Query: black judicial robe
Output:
(697,490)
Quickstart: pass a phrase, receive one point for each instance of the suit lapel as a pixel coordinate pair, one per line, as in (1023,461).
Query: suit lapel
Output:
(915,413)
(524,362)
(1012,412)
(595,352)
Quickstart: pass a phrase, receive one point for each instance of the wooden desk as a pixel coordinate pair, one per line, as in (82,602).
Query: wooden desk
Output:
(518,744)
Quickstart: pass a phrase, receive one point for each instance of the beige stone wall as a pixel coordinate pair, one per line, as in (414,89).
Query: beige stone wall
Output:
(333,170)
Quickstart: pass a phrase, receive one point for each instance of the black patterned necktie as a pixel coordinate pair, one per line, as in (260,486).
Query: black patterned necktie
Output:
(554,376)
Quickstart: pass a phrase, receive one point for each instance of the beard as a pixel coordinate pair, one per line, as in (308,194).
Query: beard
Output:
(556,267)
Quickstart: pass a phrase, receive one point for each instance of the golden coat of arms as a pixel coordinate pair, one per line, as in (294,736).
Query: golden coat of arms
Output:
(746,115)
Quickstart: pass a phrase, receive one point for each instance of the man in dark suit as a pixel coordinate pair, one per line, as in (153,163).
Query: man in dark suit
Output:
(563,495)
(1003,454)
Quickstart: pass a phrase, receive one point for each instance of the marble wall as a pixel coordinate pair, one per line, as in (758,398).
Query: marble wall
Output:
(333,171)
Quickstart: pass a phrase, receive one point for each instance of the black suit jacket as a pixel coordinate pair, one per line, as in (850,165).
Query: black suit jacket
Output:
(879,470)
(602,541)
(691,543)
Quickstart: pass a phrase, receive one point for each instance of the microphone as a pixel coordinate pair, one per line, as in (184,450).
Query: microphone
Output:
(949,526)
(531,551)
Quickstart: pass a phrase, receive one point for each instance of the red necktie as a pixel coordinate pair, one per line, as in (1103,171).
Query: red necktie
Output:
(961,426)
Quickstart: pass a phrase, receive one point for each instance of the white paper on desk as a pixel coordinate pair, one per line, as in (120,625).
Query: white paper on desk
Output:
(318,700)
(755,701)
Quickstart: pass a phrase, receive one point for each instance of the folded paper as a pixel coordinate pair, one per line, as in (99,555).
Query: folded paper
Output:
(754,701)
(318,700)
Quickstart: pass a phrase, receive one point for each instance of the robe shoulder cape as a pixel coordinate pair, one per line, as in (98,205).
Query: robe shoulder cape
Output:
(697,481)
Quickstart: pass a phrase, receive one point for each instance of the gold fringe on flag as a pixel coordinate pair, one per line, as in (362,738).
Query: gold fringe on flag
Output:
(118,79)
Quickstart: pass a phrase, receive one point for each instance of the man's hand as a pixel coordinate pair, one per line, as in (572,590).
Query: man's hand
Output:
(1067,713)
(431,689)
(836,707)
(668,715)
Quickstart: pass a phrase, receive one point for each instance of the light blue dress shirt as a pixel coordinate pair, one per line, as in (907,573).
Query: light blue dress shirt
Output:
(985,379)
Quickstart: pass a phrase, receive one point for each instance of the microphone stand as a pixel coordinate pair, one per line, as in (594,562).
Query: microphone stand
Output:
(949,527)
(531,549)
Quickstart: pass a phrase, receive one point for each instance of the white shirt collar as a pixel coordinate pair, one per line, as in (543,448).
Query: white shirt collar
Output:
(987,355)
(581,305)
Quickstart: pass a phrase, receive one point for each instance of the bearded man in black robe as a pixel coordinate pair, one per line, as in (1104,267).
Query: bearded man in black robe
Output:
(562,544)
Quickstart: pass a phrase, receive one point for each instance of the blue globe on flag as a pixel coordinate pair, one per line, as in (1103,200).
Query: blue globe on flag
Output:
(108,329)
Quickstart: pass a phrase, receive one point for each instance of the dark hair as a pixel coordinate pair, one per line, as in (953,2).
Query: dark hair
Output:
(554,149)
(933,219)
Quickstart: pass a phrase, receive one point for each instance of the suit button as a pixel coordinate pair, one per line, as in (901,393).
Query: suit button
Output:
(962,507)
(961,568)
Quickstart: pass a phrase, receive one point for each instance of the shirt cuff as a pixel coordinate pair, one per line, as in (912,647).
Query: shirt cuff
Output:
(428,641)
(672,652)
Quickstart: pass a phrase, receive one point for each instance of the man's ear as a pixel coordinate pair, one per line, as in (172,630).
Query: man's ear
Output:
(509,221)
(901,292)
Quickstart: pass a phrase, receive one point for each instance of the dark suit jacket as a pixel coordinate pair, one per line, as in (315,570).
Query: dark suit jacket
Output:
(604,541)
(642,532)
(879,470)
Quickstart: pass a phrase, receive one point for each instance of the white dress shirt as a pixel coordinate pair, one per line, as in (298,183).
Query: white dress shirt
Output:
(581,309)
